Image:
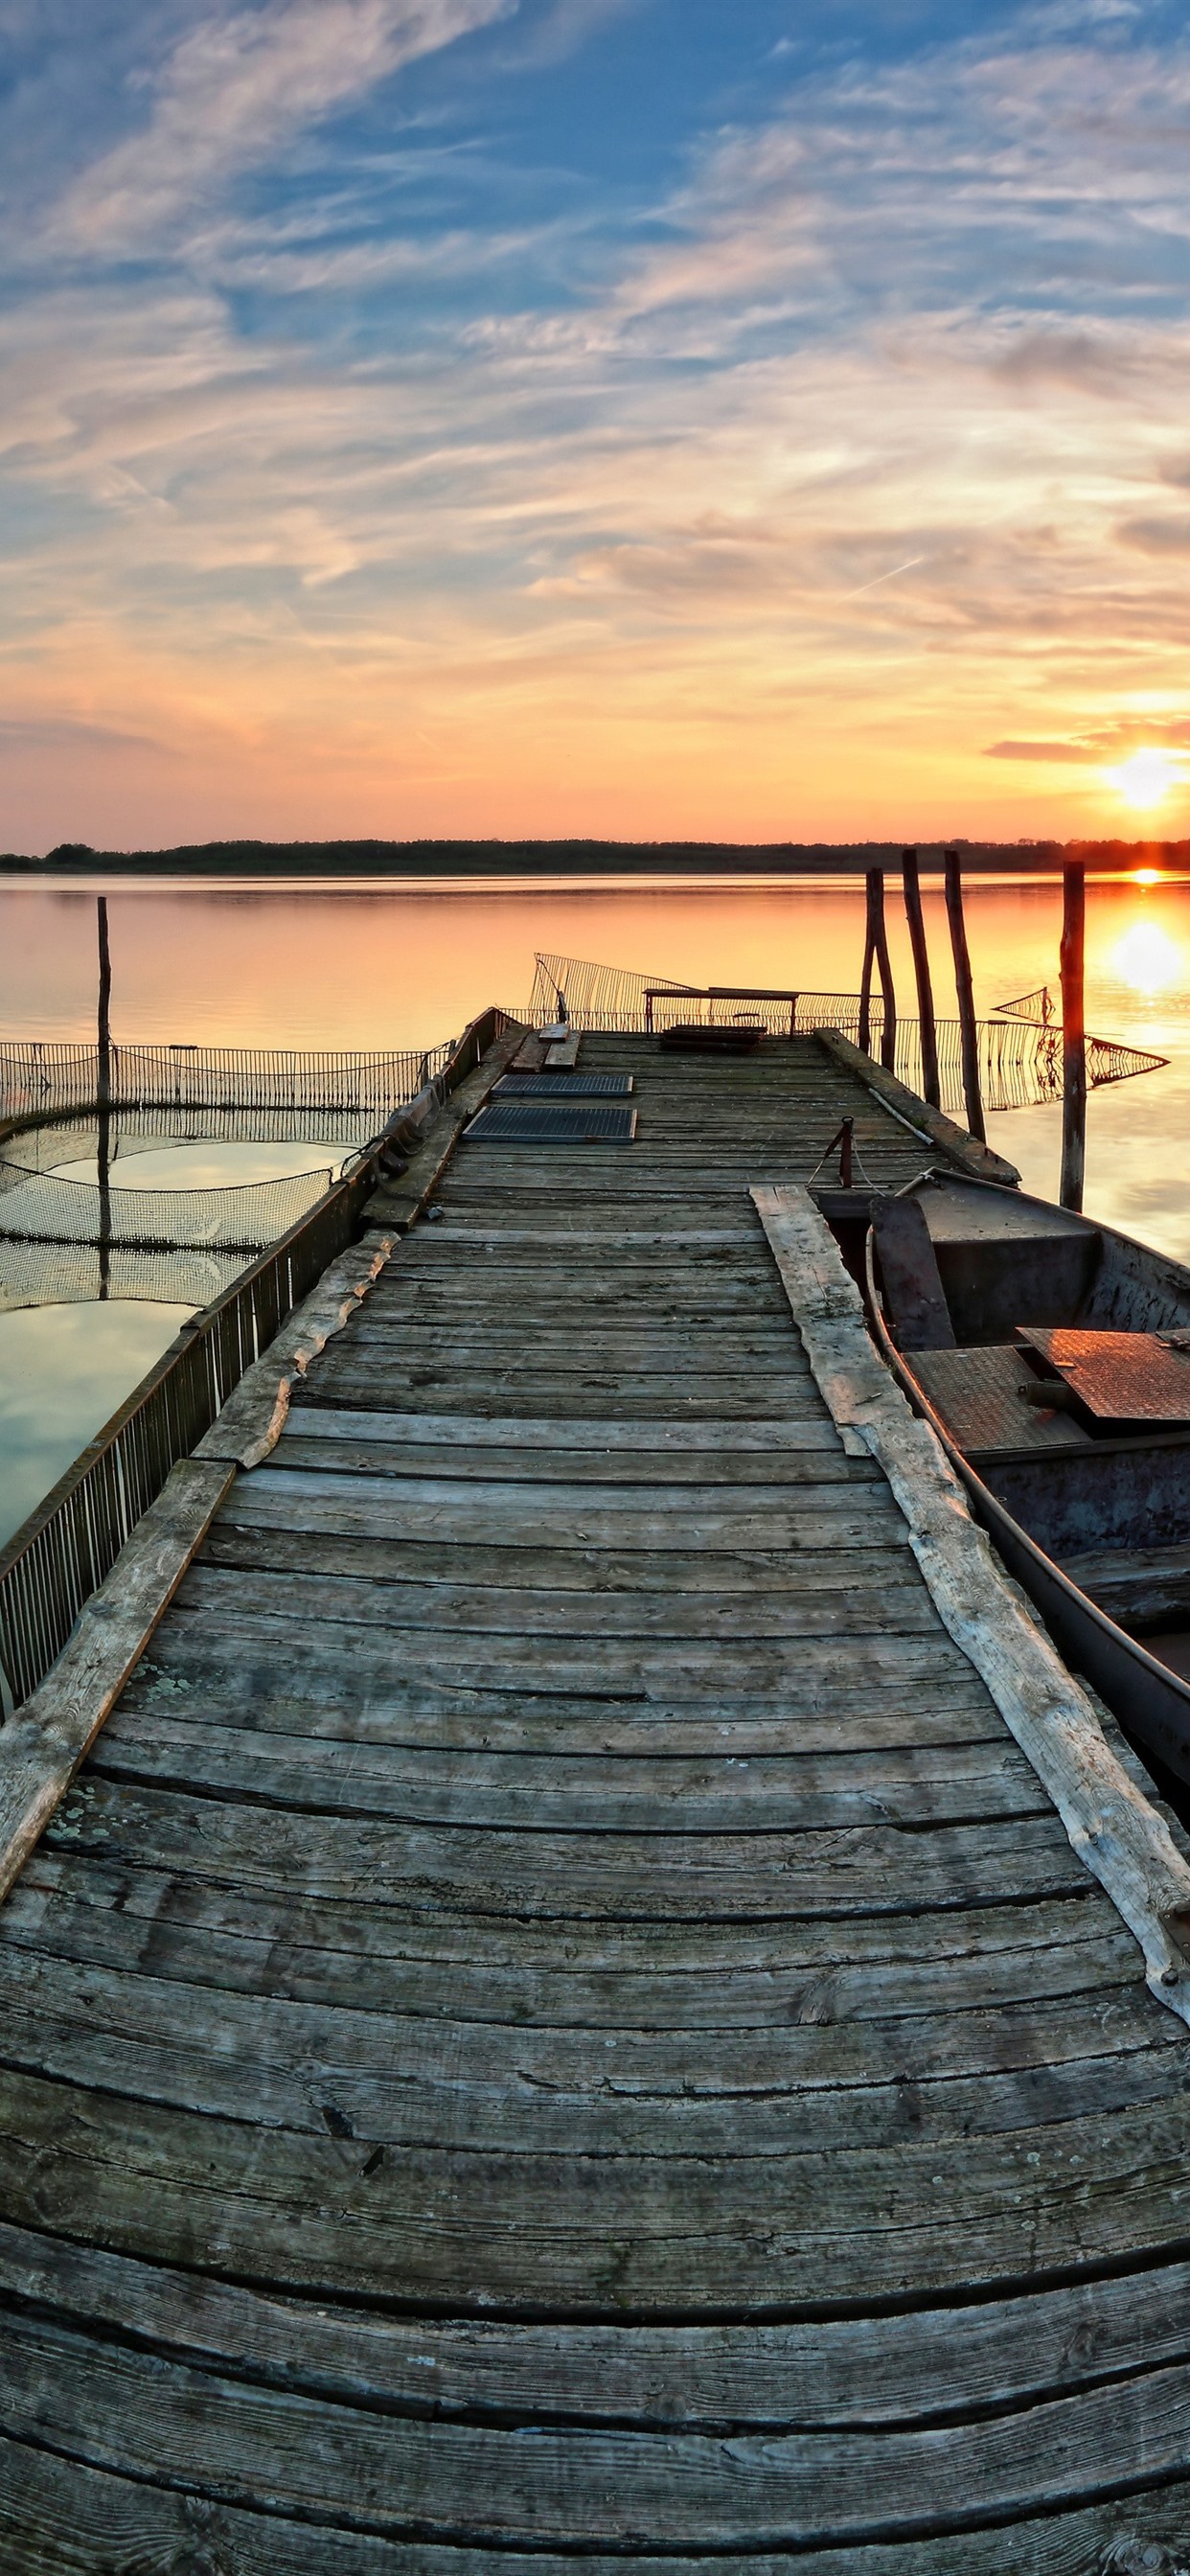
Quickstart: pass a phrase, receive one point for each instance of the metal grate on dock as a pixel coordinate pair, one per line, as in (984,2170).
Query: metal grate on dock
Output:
(564,1086)
(537,1122)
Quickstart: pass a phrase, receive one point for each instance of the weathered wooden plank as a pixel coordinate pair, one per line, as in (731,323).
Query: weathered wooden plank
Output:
(591,1516)
(495,1330)
(853,1571)
(43,1745)
(707,1470)
(675,1445)
(375,2075)
(575,1393)
(900,1610)
(368,1691)
(794,1674)
(120,2409)
(556,1294)
(67,2511)
(867,1494)
(591,1792)
(602,2236)
(873,1869)
(862,2372)
(670,1978)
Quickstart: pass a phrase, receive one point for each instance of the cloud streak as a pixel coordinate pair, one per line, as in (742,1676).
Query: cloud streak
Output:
(238,88)
(855,425)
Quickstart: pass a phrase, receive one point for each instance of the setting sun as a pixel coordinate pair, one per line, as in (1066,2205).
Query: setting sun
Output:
(1145,777)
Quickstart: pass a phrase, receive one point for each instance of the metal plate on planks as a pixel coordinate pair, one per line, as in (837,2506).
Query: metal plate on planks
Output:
(538,1122)
(978,1394)
(563,1086)
(1119,1377)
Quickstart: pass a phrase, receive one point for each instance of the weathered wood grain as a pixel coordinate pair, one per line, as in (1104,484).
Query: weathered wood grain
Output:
(863,2371)
(812,2090)
(43,1744)
(117,2408)
(558,1913)
(67,2511)
(253,1417)
(357,1585)
(662,1977)
(576,1792)
(675,1446)
(870,1869)
(440,1511)
(605,2236)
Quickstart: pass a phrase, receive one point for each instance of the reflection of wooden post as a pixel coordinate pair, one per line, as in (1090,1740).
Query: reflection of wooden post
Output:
(103,1098)
(921,969)
(1074,1047)
(865,982)
(876,946)
(968,1033)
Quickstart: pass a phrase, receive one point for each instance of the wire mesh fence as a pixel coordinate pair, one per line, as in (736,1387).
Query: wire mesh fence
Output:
(42,1075)
(1020,1057)
(70,1543)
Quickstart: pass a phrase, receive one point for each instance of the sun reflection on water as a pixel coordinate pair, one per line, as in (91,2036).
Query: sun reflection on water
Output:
(1148,960)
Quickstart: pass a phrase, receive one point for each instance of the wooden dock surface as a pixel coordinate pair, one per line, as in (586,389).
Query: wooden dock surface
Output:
(556,2022)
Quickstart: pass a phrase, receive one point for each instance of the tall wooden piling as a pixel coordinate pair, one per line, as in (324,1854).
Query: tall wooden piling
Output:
(921,968)
(876,947)
(103,1095)
(1074,1044)
(968,1033)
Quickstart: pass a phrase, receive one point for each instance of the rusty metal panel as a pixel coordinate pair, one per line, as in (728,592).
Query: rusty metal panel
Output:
(535,1122)
(1119,1377)
(978,1395)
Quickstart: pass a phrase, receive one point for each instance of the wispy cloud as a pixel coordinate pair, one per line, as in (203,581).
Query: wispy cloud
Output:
(865,433)
(237,88)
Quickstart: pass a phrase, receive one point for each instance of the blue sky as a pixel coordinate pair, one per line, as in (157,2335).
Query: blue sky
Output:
(591,415)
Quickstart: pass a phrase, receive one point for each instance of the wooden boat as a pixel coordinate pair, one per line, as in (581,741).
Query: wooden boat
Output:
(1052,1356)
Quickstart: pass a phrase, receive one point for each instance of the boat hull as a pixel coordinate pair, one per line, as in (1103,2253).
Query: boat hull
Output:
(1150,1700)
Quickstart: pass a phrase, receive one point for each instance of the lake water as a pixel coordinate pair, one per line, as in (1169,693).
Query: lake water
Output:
(344,965)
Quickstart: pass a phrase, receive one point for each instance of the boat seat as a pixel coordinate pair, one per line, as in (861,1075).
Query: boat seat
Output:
(978,1394)
(914,1301)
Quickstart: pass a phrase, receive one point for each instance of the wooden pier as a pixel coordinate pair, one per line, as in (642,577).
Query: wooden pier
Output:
(556,2022)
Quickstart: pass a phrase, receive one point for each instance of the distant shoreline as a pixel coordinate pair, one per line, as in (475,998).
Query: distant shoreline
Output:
(552,859)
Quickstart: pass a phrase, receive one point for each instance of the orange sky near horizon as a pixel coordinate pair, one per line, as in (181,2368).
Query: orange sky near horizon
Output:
(544,418)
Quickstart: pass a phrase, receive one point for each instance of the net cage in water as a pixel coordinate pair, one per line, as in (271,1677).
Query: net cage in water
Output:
(50,1100)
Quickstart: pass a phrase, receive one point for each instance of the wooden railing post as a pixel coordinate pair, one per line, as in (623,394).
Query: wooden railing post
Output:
(921,969)
(1074,1044)
(968,1032)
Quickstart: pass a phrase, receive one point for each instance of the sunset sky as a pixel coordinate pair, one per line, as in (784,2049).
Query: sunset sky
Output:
(733,418)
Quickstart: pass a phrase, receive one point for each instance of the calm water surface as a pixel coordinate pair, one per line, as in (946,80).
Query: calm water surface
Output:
(363,966)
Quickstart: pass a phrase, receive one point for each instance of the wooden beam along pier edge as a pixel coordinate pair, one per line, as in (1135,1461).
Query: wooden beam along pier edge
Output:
(580,1982)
